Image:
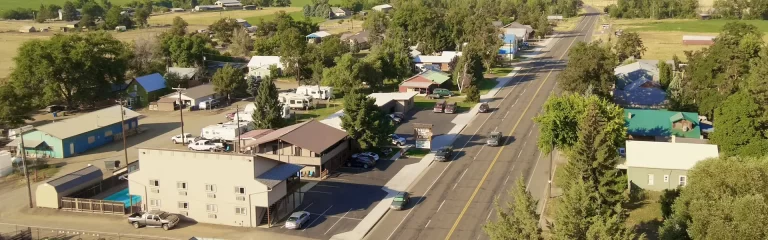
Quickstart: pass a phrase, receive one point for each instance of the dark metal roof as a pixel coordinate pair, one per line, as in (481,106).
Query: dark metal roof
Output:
(278,174)
(76,178)
(312,135)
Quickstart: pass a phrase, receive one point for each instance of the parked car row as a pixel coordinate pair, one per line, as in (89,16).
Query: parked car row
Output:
(444,107)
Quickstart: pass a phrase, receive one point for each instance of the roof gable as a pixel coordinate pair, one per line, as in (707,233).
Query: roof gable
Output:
(311,135)
(76,178)
(152,82)
(434,76)
(264,61)
(88,122)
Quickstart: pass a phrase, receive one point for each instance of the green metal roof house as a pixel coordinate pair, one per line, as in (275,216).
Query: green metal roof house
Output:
(653,124)
(145,89)
(424,82)
(69,137)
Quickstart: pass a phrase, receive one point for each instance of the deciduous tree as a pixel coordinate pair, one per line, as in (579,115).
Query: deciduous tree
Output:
(242,44)
(629,45)
(343,76)
(589,65)
(739,130)
(69,68)
(69,12)
(227,80)
(224,28)
(179,26)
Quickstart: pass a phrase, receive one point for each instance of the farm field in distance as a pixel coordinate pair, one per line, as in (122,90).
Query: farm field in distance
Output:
(664,38)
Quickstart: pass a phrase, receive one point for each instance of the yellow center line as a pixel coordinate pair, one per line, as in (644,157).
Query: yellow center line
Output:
(498,154)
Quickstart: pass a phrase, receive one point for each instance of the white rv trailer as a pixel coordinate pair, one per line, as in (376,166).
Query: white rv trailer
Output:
(296,101)
(225,131)
(318,92)
(246,115)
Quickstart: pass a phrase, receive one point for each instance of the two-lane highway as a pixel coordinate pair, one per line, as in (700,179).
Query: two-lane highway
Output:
(454,199)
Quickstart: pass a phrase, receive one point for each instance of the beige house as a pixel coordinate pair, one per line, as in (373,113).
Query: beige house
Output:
(663,165)
(319,147)
(226,189)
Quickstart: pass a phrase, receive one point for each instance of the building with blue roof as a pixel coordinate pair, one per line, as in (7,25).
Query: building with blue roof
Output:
(509,48)
(145,89)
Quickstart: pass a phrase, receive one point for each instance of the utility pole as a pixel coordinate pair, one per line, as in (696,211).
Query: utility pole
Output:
(551,159)
(24,163)
(181,113)
(237,118)
(122,126)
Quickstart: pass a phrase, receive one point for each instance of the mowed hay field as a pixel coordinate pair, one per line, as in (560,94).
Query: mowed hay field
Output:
(206,18)
(664,38)
(704,5)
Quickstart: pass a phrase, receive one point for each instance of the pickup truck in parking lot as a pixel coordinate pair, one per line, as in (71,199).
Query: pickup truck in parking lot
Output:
(204,145)
(154,218)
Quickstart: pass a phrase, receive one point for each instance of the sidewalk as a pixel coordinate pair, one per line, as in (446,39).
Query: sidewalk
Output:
(546,45)
(413,172)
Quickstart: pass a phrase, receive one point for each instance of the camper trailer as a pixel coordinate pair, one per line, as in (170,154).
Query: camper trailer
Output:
(319,92)
(225,131)
(246,115)
(297,101)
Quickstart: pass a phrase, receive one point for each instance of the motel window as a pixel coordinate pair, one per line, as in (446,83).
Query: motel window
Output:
(211,207)
(296,151)
(666,178)
(210,188)
(181,185)
(154,202)
(240,211)
(154,183)
(183,205)
(239,190)
(683,180)
(650,179)
(91,139)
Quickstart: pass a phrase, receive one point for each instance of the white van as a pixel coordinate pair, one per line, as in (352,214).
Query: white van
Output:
(297,101)
(319,92)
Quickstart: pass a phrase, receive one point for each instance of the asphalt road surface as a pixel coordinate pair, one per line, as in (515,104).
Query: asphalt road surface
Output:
(454,199)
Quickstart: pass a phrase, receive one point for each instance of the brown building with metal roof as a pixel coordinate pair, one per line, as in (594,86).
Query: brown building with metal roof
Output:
(321,148)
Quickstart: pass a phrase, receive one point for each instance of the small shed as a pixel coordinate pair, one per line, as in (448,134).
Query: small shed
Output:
(49,194)
(193,96)
(177,10)
(382,8)
(27,29)
(164,104)
(338,12)
(698,40)
(120,28)
(316,37)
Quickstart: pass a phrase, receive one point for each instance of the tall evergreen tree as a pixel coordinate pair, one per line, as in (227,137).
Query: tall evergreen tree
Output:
(364,121)
(610,227)
(665,74)
(518,220)
(575,212)
(268,111)
(69,12)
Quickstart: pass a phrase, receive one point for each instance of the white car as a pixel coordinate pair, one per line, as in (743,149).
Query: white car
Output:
(367,154)
(186,139)
(204,145)
(296,220)
(397,140)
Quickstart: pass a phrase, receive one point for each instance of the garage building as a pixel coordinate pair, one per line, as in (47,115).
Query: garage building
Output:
(49,194)
(193,96)
(69,137)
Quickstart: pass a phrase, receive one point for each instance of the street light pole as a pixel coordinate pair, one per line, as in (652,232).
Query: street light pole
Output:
(144,199)
(24,163)
(551,159)
(181,113)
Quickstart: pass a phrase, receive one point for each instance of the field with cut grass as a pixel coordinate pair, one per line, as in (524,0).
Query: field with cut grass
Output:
(664,38)
(600,4)
(207,18)
(12,4)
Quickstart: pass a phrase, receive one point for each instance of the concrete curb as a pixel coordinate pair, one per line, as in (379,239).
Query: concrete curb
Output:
(396,185)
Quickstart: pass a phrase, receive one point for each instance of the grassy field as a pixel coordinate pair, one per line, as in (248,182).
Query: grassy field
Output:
(600,4)
(663,38)
(207,18)
(645,214)
(12,4)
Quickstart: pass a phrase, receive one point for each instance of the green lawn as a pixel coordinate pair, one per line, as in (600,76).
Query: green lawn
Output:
(320,112)
(486,85)
(12,4)
(645,213)
(297,15)
(701,26)
(301,3)
(417,152)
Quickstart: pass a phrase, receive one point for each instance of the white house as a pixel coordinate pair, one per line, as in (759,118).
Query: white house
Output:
(259,65)
(382,8)
(229,3)
(663,165)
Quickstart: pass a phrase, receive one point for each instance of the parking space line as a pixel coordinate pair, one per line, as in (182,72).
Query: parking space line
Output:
(441,206)
(428,223)
(305,208)
(337,221)
(505,115)
(322,214)
(462,176)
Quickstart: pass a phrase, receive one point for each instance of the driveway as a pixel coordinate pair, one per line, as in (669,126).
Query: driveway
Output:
(340,202)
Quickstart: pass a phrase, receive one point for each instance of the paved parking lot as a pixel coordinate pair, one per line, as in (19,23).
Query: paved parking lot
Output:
(340,202)
(441,123)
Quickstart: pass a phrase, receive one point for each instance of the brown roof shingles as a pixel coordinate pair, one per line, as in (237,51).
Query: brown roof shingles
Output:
(312,135)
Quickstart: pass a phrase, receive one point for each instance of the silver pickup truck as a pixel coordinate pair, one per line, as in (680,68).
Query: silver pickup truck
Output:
(154,218)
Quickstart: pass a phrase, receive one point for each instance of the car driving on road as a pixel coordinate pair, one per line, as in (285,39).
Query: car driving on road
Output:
(400,200)
(493,139)
(484,108)
(443,154)
(296,220)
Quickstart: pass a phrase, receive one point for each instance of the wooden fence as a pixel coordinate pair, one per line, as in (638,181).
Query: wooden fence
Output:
(92,205)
